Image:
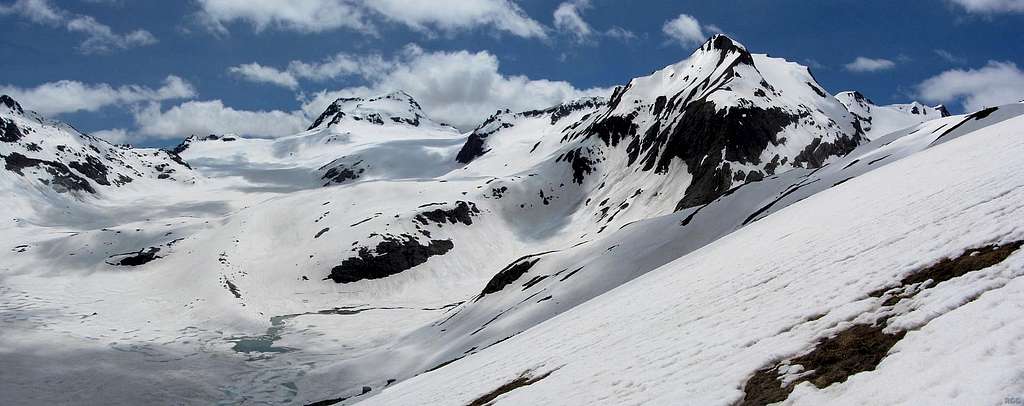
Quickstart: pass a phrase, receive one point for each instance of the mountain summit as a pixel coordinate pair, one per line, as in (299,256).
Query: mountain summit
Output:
(395,107)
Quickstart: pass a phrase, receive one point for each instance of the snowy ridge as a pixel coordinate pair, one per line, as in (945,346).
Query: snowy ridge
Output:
(50,156)
(880,120)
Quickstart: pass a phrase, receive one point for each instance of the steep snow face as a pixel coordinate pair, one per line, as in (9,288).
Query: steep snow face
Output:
(43,154)
(396,107)
(827,301)
(880,120)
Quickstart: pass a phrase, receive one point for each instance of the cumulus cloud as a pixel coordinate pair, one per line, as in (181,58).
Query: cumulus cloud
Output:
(113,136)
(687,31)
(295,15)
(991,6)
(359,15)
(213,117)
(99,37)
(67,96)
(255,72)
(455,15)
(334,67)
(459,88)
(991,85)
(865,64)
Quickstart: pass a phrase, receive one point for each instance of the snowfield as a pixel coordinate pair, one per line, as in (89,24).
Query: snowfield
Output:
(723,231)
(693,330)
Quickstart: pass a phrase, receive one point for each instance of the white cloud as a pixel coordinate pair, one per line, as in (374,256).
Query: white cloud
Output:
(99,37)
(814,64)
(337,66)
(67,96)
(991,6)
(864,64)
(949,57)
(213,117)
(460,88)
(455,15)
(37,11)
(994,84)
(568,19)
(294,15)
(325,15)
(620,33)
(686,30)
(113,136)
(255,72)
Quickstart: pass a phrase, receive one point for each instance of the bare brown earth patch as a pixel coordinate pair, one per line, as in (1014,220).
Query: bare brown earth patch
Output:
(524,379)
(857,349)
(862,347)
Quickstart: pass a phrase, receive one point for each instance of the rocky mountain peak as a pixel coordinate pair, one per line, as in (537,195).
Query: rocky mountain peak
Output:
(11,104)
(397,107)
(726,46)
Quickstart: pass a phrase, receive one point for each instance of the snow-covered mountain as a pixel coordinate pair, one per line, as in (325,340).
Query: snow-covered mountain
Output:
(40,151)
(881,120)
(396,107)
(704,234)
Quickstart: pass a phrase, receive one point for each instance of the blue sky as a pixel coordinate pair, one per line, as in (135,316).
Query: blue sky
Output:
(151,72)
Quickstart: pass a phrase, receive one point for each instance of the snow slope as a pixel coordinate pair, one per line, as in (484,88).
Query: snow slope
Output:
(556,279)
(379,245)
(695,329)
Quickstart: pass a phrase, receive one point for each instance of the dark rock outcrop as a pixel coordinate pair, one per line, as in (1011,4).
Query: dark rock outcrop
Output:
(390,257)
(141,257)
(63,179)
(9,132)
(509,274)
(472,149)
(463,212)
(93,169)
(10,103)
